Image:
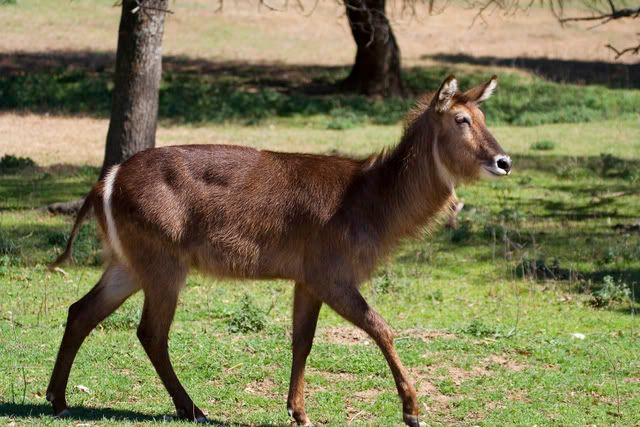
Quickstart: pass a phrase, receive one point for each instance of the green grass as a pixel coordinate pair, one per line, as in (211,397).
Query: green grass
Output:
(487,342)
(251,95)
(489,317)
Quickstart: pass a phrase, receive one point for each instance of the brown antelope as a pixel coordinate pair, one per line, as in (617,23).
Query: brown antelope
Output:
(324,222)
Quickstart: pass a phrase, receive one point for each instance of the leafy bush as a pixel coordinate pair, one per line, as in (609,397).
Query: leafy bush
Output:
(247,317)
(610,292)
(13,164)
(477,328)
(543,145)
(384,283)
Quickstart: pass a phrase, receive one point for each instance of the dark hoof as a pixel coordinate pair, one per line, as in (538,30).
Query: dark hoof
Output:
(411,420)
(194,415)
(59,407)
(301,419)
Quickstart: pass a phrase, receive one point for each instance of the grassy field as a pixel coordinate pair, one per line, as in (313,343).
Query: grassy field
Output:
(486,315)
(524,315)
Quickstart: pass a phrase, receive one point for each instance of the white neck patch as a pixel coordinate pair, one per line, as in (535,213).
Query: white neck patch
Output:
(441,170)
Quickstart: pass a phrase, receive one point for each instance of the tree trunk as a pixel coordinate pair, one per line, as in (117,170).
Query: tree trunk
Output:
(134,107)
(376,71)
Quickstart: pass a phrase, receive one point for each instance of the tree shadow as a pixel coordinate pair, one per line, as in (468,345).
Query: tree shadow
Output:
(31,410)
(195,90)
(604,165)
(613,75)
(40,186)
(283,77)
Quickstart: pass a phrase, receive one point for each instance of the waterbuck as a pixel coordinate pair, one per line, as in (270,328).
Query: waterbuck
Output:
(323,222)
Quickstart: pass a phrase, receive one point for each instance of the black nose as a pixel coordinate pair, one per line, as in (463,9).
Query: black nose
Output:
(504,163)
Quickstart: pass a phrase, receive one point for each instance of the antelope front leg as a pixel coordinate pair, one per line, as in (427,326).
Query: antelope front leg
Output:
(347,301)
(305,317)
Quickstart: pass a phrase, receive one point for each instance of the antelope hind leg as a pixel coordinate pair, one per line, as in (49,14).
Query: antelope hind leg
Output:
(113,288)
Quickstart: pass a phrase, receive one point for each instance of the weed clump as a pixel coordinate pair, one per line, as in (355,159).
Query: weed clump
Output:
(247,317)
(477,328)
(610,292)
(543,145)
(385,283)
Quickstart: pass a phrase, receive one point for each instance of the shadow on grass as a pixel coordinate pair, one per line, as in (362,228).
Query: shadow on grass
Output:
(37,187)
(198,90)
(37,242)
(30,410)
(604,165)
(566,71)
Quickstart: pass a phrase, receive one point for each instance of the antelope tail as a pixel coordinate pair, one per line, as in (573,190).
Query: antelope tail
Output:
(85,210)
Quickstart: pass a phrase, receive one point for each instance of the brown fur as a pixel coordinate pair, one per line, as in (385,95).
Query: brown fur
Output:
(323,222)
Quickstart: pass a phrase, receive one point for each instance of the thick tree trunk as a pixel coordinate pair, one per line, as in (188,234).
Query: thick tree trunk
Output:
(134,105)
(134,108)
(376,71)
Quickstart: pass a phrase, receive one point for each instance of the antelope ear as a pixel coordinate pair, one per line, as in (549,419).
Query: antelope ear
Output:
(482,92)
(444,97)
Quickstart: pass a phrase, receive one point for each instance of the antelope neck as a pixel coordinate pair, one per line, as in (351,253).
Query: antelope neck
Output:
(412,182)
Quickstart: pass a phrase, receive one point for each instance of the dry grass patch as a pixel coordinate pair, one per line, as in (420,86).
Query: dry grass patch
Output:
(243,31)
(350,335)
(50,140)
(425,335)
(505,362)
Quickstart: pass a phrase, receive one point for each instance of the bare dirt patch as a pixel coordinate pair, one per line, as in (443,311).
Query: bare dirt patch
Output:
(459,375)
(505,362)
(438,403)
(50,140)
(346,335)
(243,31)
(518,395)
(425,334)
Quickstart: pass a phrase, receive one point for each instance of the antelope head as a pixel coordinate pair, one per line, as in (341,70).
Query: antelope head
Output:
(465,149)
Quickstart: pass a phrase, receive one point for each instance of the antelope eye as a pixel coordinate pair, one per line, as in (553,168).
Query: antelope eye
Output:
(460,119)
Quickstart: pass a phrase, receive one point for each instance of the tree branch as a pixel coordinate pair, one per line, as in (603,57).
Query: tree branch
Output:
(634,50)
(606,16)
